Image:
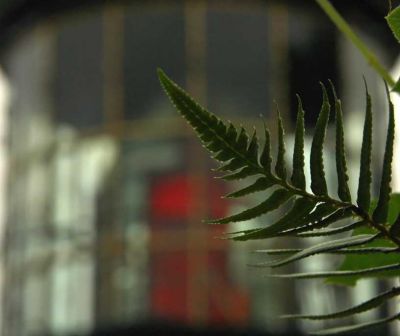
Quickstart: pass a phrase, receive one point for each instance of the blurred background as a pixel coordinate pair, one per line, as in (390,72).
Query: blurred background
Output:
(103,187)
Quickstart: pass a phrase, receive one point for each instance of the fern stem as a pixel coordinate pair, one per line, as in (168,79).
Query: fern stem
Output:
(340,204)
(347,31)
(327,199)
(377,226)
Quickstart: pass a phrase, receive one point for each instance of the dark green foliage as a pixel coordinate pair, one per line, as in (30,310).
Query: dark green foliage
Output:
(341,169)
(298,178)
(318,183)
(357,327)
(278,198)
(381,211)
(296,216)
(280,168)
(365,306)
(365,272)
(364,182)
(312,213)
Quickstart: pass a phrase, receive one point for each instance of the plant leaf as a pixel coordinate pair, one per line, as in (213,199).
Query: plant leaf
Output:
(395,228)
(318,183)
(240,174)
(393,20)
(221,140)
(265,158)
(260,184)
(232,165)
(364,272)
(253,146)
(278,197)
(328,232)
(300,208)
(341,168)
(364,182)
(362,250)
(323,248)
(356,327)
(302,224)
(360,308)
(394,214)
(396,87)
(315,223)
(298,178)
(280,167)
(367,261)
(381,211)
(322,216)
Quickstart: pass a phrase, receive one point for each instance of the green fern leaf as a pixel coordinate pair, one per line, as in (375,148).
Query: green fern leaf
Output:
(322,216)
(323,248)
(220,140)
(274,252)
(360,308)
(300,208)
(240,174)
(356,327)
(347,251)
(302,223)
(279,197)
(298,178)
(341,168)
(260,184)
(232,165)
(381,211)
(318,183)
(265,158)
(334,231)
(369,250)
(280,167)
(361,261)
(364,183)
(253,147)
(242,140)
(395,228)
(365,272)
(321,222)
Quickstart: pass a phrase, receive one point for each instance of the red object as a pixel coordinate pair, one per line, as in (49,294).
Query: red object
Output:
(172,198)
(168,282)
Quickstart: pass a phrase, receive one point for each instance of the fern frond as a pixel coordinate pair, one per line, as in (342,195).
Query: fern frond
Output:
(223,142)
(261,184)
(395,228)
(280,167)
(298,178)
(364,182)
(295,217)
(366,272)
(315,223)
(334,231)
(323,248)
(356,327)
(312,214)
(381,211)
(341,168)
(318,183)
(360,308)
(361,250)
(304,219)
(278,198)
(265,158)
